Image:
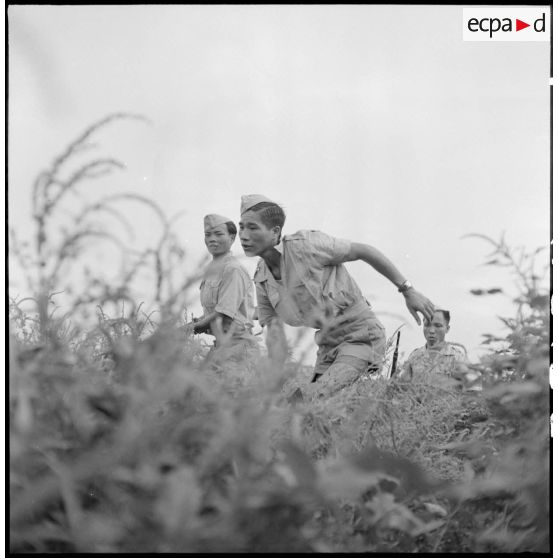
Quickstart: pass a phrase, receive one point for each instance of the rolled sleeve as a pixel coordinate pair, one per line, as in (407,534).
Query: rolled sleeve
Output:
(329,250)
(231,294)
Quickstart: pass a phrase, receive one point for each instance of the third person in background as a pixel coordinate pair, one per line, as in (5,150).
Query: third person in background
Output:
(438,358)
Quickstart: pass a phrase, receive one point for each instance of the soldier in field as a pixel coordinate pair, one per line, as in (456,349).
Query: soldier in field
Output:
(301,281)
(439,358)
(226,294)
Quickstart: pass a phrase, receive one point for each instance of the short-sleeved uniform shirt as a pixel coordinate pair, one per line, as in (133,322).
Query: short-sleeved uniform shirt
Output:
(317,291)
(226,288)
(424,361)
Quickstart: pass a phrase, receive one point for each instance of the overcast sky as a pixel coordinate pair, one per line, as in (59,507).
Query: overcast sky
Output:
(374,123)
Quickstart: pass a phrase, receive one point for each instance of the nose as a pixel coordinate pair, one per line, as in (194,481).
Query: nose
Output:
(243,234)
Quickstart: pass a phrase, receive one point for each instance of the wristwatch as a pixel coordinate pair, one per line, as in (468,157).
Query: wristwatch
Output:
(405,286)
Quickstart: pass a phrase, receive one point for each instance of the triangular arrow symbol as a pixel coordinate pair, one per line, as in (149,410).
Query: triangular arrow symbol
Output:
(519,25)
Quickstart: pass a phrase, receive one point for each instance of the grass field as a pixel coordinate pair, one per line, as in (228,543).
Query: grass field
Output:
(124,438)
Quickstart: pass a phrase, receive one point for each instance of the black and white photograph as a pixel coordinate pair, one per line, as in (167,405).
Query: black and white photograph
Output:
(278,278)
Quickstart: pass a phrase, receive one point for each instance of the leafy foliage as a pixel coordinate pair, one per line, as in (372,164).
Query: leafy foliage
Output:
(127,437)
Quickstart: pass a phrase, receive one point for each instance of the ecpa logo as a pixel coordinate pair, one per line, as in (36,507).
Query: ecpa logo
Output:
(506,24)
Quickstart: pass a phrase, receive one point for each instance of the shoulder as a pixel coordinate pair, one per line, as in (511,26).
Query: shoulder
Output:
(309,237)
(455,349)
(232,263)
(299,245)
(416,353)
(232,267)
(299,235)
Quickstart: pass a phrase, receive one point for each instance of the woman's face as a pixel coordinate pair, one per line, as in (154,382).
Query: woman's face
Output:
(435,330)
(254,236)
(218,240)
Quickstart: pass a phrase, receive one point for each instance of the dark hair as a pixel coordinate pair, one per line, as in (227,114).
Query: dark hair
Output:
(444,313)
(270,213)
(231,228)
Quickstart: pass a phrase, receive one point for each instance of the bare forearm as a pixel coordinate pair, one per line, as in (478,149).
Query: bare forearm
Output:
(415,301)
(202,324)
(381,263)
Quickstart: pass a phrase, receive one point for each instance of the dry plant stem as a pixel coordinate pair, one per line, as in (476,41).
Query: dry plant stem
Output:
(45,202)
(135,429)
(445,527)
(392,431)
(103,207)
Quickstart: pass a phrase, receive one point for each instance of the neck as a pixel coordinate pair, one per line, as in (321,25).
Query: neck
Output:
(437,345)
(218,257)
(272,258)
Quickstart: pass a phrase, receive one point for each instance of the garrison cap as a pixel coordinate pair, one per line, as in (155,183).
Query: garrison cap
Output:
(250,200)
(214,220)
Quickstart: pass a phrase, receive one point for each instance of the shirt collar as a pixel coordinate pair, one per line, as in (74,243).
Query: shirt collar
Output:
(263,270)
(279,247)
(442,349)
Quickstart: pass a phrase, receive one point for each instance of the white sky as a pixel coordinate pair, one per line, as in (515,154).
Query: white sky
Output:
(374,123)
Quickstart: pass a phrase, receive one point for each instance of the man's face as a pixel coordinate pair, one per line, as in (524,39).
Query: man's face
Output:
(254,236)
(435,330)
(218,240)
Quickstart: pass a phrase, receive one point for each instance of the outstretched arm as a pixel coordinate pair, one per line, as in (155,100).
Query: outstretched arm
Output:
(416,302)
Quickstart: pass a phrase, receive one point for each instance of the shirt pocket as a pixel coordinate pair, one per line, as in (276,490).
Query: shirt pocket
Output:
(273,294)
(270,290)
(209,291)
(304,298)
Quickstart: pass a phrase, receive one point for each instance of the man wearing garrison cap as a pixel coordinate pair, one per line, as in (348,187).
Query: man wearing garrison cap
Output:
(226,294)
(301,280)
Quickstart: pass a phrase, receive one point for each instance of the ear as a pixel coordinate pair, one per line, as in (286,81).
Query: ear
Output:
(277,230)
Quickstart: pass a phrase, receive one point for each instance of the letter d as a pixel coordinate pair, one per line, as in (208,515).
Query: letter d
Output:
(541,19)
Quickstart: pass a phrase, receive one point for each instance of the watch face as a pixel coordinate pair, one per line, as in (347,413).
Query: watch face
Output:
(405,286)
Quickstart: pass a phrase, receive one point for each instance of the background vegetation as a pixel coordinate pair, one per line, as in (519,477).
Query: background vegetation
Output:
(123,438)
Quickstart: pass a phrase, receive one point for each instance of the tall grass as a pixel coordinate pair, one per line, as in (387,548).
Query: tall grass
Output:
(125,438)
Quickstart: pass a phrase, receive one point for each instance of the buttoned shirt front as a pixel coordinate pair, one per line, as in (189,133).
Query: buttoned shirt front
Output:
(425,361)
(226,288)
